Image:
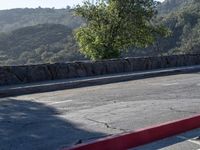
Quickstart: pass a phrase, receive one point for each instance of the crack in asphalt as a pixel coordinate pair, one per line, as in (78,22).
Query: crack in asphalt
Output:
(106,124)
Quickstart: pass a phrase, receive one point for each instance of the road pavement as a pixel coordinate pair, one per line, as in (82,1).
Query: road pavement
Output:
(53,120)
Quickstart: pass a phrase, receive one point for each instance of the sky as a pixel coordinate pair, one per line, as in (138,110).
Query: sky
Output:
(8,4)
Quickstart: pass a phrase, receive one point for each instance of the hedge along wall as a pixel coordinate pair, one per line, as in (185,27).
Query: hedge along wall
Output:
(10,75)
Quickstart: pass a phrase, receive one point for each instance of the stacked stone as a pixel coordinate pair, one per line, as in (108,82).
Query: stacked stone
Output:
(10,75)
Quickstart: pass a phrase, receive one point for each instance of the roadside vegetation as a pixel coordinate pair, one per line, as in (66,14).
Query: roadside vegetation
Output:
(115,26)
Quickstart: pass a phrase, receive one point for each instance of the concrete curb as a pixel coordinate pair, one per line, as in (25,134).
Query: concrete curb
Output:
(141,137)
(40,87)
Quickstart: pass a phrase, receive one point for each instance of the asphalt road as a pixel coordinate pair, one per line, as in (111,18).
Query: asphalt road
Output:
(59,119)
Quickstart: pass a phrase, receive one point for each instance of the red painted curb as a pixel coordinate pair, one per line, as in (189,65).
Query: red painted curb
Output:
(142,136)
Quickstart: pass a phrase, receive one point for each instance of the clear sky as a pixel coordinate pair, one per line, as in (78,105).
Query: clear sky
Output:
(8,4)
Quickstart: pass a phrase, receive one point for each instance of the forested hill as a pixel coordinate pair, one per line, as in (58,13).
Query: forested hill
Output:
(18,18)
(184,23)
(169,6)
(182,17)
(43,43)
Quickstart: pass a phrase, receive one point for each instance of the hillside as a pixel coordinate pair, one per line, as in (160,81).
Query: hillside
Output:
(182,17)
(46,43)
(184,24)
(169,6)
(18,18)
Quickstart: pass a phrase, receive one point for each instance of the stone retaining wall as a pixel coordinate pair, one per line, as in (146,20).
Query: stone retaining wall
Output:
(33,73)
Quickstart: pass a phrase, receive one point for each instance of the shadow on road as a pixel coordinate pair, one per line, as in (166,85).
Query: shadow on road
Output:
(26,125)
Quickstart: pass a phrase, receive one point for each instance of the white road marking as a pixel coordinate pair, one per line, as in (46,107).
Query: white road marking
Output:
(190,140)
(169,84)
(60,102)
(165,84)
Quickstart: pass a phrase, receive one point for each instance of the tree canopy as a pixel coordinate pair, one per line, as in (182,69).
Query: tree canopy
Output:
(116,25)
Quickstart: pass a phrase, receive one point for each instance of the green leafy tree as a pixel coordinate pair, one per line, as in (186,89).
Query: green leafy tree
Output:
(116,25)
